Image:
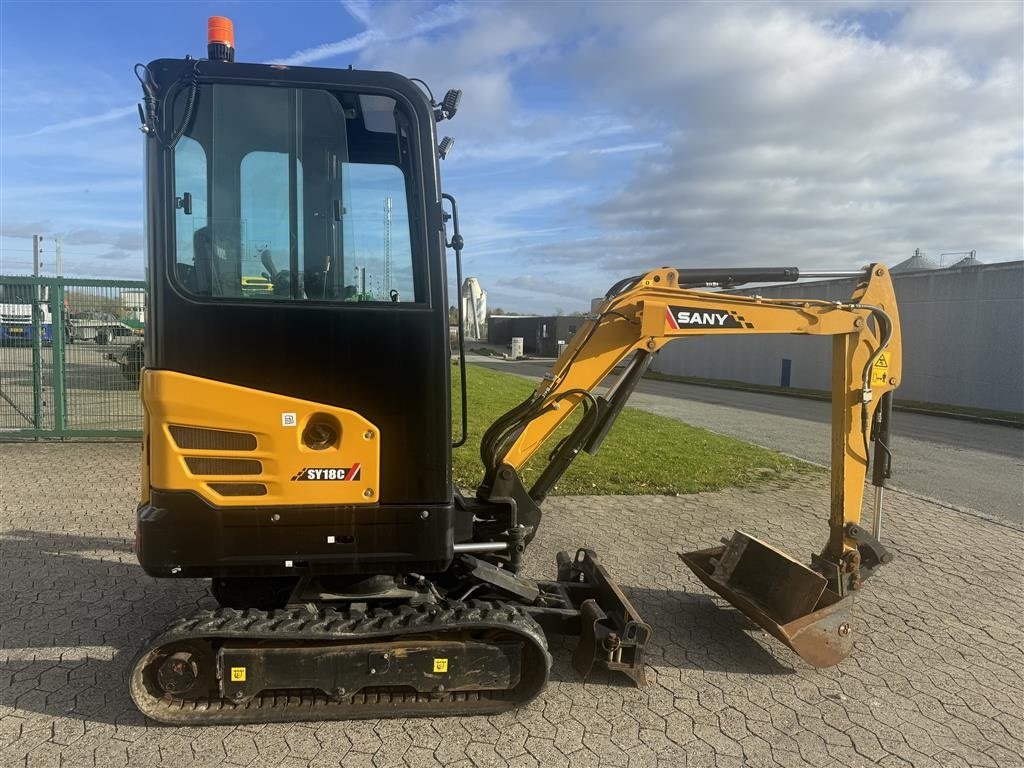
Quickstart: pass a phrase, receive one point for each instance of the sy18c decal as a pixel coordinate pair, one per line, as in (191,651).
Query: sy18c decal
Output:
(329,473)
(683,318)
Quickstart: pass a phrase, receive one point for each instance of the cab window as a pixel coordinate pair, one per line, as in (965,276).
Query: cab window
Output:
(296,195)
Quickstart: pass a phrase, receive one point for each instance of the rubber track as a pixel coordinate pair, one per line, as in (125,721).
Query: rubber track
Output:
(326,625)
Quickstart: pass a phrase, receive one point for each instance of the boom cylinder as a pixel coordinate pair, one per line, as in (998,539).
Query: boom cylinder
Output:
(881,469)
(739,275)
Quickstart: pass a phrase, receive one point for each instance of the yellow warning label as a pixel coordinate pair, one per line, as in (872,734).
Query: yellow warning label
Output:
(880,370)
(238,674)
(440,665)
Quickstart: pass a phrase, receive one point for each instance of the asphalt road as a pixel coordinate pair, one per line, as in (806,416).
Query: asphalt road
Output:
(962,463)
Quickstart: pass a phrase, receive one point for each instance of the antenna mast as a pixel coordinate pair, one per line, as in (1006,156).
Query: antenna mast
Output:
(387,245)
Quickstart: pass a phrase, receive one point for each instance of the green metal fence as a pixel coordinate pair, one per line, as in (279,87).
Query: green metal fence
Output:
(70,357)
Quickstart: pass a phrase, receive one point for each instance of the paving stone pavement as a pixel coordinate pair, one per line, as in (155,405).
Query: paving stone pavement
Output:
(935,680)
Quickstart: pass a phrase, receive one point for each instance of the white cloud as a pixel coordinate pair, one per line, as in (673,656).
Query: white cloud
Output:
(752,133)
(408,26)
(794,140)
(545,284)
(534,139)
(977,30)
(329,50)
(111,115)
(619,148)
(596,139)
(359,10)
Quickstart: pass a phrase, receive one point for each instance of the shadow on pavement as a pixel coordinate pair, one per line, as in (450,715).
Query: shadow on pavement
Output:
(78,608)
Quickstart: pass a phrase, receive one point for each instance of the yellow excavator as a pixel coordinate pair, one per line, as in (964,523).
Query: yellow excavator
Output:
(298,438)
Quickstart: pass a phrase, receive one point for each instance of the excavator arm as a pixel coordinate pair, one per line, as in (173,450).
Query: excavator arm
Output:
(805,607)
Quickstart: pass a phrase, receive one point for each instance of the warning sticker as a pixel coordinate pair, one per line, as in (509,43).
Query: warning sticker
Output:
(880,370)
(238,674)
(440,665)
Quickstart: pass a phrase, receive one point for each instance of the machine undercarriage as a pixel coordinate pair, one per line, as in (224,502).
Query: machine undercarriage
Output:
(471,642)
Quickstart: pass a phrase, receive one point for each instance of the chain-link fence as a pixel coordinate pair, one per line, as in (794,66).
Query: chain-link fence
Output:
(70,357)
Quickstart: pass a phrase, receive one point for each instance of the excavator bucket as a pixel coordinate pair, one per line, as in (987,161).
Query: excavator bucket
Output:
(781,595)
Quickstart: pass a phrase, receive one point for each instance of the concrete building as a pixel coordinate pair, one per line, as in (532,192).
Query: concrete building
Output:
(963,340)
(540,334)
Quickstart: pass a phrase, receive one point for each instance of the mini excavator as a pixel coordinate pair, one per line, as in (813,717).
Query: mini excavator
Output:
(299,432)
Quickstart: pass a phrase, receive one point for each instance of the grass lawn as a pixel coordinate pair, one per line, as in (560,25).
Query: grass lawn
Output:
(643,453)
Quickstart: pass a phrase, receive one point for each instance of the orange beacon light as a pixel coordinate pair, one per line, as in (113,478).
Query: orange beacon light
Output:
(220,39)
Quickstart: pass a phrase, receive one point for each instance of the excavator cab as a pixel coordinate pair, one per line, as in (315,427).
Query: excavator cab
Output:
(298,424)
(298,354)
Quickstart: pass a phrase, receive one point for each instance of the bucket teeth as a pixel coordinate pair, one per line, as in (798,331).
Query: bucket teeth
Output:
(779,594)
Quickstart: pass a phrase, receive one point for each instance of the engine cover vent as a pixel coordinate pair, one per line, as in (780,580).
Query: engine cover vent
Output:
(210,465)
(201,439)
(239,489)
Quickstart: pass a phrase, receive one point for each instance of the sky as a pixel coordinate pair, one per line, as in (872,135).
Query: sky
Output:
(594,140)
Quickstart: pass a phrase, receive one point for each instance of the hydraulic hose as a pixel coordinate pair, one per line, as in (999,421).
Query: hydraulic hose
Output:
(150,102)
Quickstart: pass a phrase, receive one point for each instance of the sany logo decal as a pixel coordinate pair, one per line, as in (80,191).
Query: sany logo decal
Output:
(702,318)
(683,318)
(329,473)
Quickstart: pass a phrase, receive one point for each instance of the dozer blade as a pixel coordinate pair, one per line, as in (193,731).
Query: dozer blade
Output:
(783,596)
(591,606)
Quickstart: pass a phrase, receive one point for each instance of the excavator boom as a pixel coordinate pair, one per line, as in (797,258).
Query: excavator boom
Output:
(805,607)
